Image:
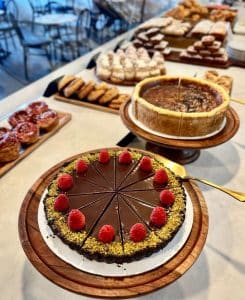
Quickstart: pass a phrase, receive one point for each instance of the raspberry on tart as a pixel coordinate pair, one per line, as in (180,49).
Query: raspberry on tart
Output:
(106,234)
(137,232)
(76,220)
(104,156)
(167,197)
(161,177)
(125,158)
(27,132)
(158,216)
(65,182)
(61,203)
(146,164)
(81,166)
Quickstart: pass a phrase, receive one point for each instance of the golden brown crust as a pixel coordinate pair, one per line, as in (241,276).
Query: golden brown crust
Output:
(95,95)
(73,87)
(27,132)
(109,95)
(85,90)
(65,81)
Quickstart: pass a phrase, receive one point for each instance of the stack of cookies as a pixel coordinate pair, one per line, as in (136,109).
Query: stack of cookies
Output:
(102,94)
(207,50)
(129,65)
(223,80)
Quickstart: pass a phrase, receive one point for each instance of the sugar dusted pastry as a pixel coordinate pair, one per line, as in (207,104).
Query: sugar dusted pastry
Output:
(142,70)
(117,74)
(9,147)
(154,70)
(104,67)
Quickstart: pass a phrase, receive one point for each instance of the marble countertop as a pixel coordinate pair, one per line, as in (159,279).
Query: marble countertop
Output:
(218,273)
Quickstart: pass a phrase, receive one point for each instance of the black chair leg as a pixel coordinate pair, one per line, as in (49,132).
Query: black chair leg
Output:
(25,63)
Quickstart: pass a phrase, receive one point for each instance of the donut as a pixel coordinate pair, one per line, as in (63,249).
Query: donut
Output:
(27,132)
(9,147)
(19,117)
(47,120)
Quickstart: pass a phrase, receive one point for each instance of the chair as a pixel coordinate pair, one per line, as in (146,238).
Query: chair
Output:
(31,41)
(38,8)
(6,27)
(79,38)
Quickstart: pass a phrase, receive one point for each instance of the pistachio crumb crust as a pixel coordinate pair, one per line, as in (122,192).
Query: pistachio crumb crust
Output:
(120,195)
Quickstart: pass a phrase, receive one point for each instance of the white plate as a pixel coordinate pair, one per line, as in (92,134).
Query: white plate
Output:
(168,136)
(126,269)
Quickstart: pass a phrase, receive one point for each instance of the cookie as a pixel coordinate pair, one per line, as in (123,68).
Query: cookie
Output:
(208,40)
(191,50)
(109,95)
(205,53)
(73,87)
(63,82)
(122,98)
(102,86)
(85,90)
(198,45)
(152,32)
(95,95)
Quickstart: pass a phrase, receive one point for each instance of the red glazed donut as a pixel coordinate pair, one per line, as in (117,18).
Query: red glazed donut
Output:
(9,147)
(27,132)
(36,108)
(18,117)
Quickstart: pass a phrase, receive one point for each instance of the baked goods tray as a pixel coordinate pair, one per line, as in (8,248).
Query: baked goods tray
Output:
(89,74)
(25,151)
(82,282)
(174,56)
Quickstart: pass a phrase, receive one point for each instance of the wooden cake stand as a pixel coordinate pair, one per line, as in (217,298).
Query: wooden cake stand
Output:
(182,151)
(72,279)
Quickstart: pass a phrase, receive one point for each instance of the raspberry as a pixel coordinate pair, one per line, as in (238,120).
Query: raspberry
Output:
(61,203)
(106,234)
(125,158)
(137,232)
(167,197)
(158,216)
(81,166)
(65,182)
(146,164)
(160,177)
(76,220)
(104,157)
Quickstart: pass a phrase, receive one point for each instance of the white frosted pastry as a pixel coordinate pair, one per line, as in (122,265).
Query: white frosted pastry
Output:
(142,70)
(154,70)
(129,70)
(103,68)
(117,74)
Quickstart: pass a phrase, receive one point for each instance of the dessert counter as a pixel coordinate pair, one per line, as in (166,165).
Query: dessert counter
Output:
(219,272)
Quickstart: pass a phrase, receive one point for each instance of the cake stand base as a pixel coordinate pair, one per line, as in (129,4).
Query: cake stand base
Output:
(181,156)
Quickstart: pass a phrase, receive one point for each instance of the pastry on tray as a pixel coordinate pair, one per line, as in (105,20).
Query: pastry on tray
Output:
(47,120)
(36,108)
(223,80)
(97,93)
(128,65)
(207,27)
(207,50)
(27,133)
(180,106)
(115,205)
(18,117)
(9,146)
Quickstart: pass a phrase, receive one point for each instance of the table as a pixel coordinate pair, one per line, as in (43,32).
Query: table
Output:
(55,19)
(219,273)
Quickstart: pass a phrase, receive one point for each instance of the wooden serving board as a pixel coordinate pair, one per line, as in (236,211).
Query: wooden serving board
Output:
(85,104)
(72,279)
(175,57)
(63,119)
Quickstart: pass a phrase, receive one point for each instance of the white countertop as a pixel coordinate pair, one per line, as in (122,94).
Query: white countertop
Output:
(219,272)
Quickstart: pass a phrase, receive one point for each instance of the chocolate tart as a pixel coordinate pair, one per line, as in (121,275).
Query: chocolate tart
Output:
(120,195)
(180,106)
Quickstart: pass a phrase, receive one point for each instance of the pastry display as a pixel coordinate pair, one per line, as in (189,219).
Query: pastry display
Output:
(36,108)
(129,65)
(222,80)
(207,27)
(9,146)
(208,50)
(115,205)
(226,15)
(27,133)
(188,10)
(96,93)
(185,106)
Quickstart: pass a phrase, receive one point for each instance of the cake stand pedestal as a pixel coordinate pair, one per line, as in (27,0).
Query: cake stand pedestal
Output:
(183,151)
